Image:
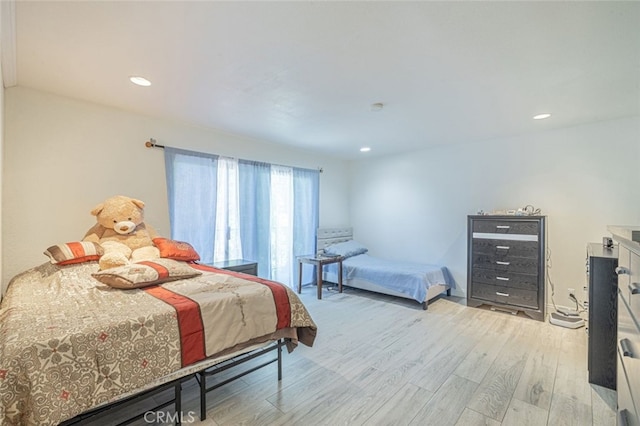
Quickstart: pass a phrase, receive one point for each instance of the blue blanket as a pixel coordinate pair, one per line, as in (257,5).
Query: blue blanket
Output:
(410,278)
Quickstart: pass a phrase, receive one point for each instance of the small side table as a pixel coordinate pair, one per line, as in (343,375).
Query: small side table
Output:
(319,262)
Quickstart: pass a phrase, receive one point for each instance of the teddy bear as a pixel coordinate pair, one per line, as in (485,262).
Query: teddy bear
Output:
(121,232)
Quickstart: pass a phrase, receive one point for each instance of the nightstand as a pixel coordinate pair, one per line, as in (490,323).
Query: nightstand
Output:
(319,262)
(238,265)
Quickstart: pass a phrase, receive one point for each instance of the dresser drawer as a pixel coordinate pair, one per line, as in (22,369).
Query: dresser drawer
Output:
(524,265)
(629,284)
(506,279)
(629,347)
(627,413)
(502,248)
(500,226)
(506,295)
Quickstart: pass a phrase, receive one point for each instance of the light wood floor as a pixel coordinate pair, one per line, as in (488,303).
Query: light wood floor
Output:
(379,360)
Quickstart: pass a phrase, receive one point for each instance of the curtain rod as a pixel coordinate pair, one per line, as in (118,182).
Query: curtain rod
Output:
(151,143)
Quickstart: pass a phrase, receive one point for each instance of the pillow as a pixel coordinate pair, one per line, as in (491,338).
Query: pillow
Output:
(177,250)
(346,249)
(74,252)
(145,273)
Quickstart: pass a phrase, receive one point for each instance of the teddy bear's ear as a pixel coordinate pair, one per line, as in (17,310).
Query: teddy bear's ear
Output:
(138,203)
(97,209)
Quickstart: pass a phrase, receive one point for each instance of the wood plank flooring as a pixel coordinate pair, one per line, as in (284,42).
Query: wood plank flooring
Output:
(380,360)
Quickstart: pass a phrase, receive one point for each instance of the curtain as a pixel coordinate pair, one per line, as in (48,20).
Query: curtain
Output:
(239,209)
(306,207)
(281,219)
(228,244)
(192,194)
(255,205)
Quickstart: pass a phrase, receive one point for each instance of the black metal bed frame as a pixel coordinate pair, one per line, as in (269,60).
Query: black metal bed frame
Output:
(200,376)
(233,362)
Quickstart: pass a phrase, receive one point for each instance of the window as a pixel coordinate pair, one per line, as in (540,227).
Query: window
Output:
(230,209)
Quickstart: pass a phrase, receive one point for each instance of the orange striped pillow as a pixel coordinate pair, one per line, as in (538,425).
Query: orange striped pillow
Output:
(176,250)
(145,273)
(74,252)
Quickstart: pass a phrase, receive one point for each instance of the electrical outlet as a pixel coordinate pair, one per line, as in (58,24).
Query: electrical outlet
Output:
(572,291)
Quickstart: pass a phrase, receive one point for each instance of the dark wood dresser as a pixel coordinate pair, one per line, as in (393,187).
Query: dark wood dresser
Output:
(628,336)
(603,314)
(506,263)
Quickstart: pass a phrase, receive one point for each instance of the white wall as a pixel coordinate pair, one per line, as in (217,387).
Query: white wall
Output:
(414,206)
(62,157)
(1,155)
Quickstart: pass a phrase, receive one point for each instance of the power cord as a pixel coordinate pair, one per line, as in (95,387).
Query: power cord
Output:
(553,288)
(578,304)
(530,210)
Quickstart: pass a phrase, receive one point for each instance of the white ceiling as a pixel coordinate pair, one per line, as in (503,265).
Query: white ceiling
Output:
(306,73)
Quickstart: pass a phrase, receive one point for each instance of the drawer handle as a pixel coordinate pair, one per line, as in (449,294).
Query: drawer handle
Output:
(503,226)
(634,288)
(502,294)
(502,278)
(625,347)
(503,263)
(503,247)
(621,270)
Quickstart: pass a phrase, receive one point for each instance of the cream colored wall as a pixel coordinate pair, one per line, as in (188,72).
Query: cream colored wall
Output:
(63,156)
(415,206)
(1,166)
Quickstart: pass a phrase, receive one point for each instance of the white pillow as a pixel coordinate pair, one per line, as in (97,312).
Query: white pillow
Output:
(346,249)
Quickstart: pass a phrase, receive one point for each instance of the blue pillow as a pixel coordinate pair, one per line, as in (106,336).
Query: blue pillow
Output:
(346,249)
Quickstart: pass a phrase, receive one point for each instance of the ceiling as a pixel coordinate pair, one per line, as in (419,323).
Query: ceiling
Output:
(305,74)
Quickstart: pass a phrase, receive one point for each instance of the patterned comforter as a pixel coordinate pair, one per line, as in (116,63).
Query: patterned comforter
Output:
(69,343)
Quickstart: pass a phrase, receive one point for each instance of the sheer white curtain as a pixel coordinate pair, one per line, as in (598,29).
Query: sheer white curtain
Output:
(227,229)
(281,218)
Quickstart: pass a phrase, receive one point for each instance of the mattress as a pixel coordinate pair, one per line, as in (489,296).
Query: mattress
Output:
(410,279)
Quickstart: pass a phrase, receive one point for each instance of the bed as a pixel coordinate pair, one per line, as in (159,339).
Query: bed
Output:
(71,345)
(410,280)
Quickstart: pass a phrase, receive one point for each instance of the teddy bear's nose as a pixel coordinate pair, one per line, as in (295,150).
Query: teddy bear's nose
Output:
(124,227)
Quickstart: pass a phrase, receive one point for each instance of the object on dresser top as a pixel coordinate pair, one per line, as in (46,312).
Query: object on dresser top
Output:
(628,325)
(527,210)
(506,263)
(410,280)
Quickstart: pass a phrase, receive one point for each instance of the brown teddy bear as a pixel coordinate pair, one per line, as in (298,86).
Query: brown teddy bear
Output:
(121,232)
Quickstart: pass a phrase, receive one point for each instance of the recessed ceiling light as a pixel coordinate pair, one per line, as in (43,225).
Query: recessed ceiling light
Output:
(541,116)
(377,106)
(365,149)
(140,81)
